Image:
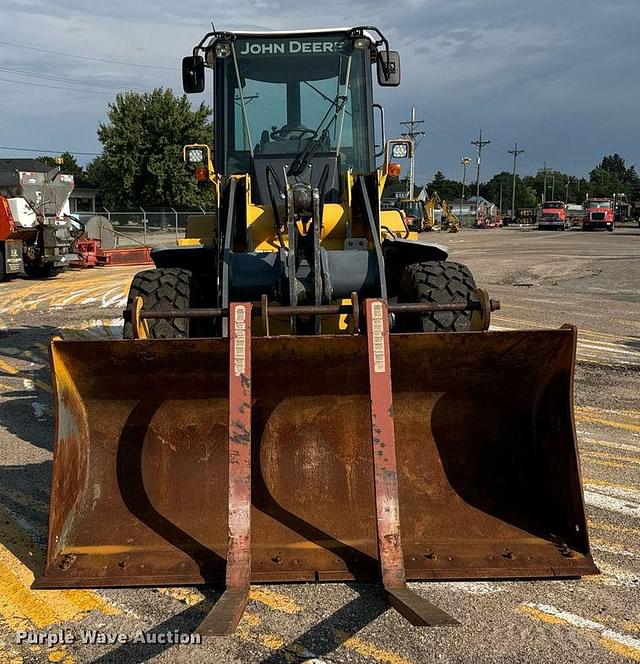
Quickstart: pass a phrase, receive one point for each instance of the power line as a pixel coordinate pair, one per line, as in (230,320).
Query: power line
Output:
(58,87)
(94,154)
(515,152)
(61,79)
(84,57)
(39,151)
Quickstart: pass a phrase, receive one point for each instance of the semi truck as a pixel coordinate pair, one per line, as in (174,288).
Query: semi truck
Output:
(598,213)
(35,222)
(553,215)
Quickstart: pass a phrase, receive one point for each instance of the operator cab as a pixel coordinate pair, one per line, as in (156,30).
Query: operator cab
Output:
(293,105)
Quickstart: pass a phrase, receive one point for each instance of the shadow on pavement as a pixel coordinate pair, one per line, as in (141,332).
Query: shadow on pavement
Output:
(329,634)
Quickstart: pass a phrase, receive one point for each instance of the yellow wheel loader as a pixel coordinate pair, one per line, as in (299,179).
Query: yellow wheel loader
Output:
(302,395)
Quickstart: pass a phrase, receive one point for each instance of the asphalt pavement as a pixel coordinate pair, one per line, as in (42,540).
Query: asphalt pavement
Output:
(543,279)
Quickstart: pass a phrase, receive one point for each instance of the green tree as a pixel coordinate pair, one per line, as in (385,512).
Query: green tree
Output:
(612,176)
(447,189)
(69,163)
(141,163)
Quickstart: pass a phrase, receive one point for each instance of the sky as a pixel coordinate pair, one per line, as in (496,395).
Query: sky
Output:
(559,77)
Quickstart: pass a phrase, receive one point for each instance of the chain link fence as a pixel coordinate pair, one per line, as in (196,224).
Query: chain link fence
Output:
(148,227)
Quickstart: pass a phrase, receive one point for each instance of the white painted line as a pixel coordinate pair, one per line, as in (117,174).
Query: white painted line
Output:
(615,551)
(629,494)
(607,443)
(611,504)
(591,625)
(474,587)
(616,576)
(595,345)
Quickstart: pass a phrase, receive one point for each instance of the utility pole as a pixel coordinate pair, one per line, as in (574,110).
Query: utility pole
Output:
(515,152)
(500,204)
(465,162)
(544,189)
(566,198)
(415,136)
(553,186)
(479,145)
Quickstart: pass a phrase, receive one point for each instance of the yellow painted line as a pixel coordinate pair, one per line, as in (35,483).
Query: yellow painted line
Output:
(612,547)
(14,371)
(274,600)
(367,649)
(44,607)
(611,527)
(19,605)
(541,616)
(590,419)
(246,631)
(185,595)
(9,368)
(274,642)
(615,641)
(613,485)
(630,652)
(608,464)
(632,414)
(61,655)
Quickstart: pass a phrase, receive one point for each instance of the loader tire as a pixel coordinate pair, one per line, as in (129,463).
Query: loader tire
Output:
(440,282)
(162,288)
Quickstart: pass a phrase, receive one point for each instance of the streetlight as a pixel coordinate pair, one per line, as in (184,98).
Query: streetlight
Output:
(465,162)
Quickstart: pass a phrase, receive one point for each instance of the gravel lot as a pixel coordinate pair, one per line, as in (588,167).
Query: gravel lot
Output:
(543,279)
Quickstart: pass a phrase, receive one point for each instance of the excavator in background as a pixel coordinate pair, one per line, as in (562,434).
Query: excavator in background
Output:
(421,214)
(302,396)
(448,221)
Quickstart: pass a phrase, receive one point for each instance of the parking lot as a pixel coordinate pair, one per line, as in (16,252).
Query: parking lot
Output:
(543,279)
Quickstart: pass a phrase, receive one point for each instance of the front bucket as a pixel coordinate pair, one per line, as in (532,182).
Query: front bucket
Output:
(487,463)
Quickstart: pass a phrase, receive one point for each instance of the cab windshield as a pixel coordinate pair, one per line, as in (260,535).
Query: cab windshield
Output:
(412,209)
(597,204)
(284,93)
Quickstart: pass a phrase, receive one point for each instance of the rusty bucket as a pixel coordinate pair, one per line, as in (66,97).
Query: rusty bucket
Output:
(488,473)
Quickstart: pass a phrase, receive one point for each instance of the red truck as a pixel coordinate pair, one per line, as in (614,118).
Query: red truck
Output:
(11,262)
(553,214)
(598,213)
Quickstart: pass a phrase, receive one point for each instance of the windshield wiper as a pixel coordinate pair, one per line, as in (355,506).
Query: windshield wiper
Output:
(302,158)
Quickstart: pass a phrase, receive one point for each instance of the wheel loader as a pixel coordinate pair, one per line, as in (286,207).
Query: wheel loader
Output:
(305,392)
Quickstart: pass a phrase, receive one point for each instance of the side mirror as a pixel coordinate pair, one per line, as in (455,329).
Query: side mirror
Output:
(193,76)
(389,68)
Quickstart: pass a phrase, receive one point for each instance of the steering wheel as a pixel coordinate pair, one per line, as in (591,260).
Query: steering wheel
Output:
(277,134)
